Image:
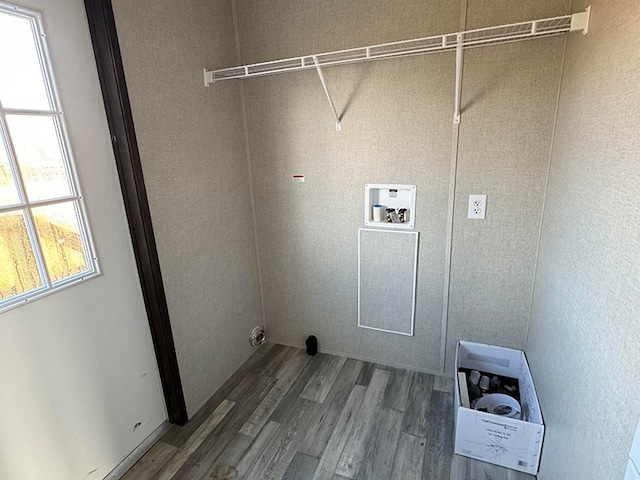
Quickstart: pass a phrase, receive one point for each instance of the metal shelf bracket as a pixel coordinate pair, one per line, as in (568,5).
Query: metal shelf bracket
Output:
(580,21)
(326,91)
(208,77)
(458,93)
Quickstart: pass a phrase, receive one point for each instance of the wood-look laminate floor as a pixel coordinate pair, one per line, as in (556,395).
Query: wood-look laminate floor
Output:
(285,415)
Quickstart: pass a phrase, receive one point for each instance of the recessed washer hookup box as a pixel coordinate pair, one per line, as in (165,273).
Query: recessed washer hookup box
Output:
(503,441)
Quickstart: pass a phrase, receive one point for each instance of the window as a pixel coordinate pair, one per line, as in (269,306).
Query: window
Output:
(44,240)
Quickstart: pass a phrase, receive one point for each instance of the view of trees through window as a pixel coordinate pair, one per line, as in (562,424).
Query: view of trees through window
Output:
(43,243)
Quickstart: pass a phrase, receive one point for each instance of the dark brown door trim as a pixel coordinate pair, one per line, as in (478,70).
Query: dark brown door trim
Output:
(125,147)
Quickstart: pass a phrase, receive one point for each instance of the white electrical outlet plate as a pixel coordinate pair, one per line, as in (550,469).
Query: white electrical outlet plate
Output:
(477,207)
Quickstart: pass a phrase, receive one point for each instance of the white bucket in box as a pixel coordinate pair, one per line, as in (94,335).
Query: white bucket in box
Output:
(491,438)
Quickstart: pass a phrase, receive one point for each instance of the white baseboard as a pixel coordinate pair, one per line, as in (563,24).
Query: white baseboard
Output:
(130,460)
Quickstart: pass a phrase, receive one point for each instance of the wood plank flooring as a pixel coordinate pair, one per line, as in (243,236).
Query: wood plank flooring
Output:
(285,415)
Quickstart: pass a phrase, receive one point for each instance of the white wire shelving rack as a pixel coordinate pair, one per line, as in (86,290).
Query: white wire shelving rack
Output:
(438,43)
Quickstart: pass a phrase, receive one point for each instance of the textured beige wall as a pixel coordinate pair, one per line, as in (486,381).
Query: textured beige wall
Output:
(192,148)
(397,129)
(509,102)
(584,336)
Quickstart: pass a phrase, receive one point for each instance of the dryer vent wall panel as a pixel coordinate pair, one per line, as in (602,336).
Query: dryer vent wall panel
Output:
(387,264)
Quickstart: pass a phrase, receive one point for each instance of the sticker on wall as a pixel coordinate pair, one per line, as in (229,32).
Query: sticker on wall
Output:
(298,178)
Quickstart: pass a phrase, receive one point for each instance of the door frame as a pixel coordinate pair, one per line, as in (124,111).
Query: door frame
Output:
(106,50)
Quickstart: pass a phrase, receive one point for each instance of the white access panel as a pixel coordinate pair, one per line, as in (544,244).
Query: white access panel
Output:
(387,268)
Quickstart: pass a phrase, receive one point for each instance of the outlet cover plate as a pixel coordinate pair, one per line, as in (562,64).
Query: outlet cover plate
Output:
(477,207)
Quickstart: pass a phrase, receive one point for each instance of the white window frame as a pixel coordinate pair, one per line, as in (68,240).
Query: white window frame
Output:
(26,206)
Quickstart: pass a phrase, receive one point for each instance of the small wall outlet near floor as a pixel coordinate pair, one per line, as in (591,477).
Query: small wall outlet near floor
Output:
(477,206)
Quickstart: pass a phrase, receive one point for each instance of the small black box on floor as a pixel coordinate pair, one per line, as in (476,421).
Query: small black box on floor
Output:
(312,345)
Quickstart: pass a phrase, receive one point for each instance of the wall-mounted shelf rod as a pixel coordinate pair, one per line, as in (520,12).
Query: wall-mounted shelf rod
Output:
(438,43)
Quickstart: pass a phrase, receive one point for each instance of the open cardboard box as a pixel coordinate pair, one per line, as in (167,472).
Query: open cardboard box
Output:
(491,438)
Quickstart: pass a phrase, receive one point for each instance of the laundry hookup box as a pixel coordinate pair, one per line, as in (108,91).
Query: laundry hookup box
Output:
(508,442)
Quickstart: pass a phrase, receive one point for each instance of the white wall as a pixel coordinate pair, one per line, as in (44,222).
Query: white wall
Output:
(77,368)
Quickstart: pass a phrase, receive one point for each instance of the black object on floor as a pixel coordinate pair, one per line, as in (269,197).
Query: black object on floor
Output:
(312,345)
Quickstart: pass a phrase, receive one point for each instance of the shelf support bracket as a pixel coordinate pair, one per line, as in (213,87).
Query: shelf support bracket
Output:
(580,21)
(458,92)
(326,91)
(208,77)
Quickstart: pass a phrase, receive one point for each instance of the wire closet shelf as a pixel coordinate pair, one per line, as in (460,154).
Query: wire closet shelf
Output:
(437,43)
